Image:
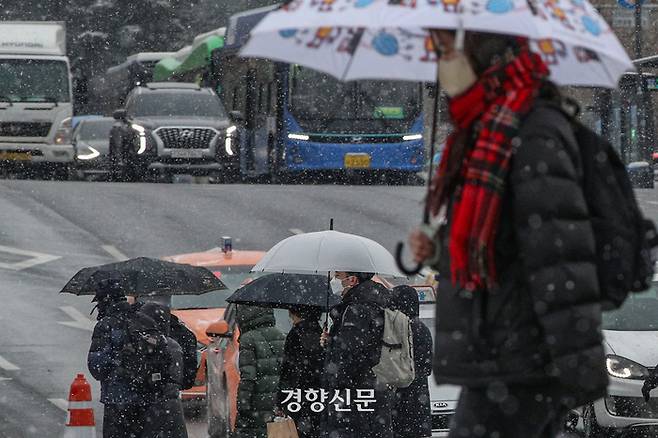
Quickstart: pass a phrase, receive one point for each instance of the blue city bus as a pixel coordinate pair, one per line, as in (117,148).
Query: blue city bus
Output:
(298,120)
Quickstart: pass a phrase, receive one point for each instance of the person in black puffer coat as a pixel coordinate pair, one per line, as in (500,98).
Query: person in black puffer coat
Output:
(303,361)
(412,413)
(353,348)
(164,417)
(261,352)
(518,314)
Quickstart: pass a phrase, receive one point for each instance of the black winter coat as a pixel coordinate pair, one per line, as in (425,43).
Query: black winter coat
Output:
(302,368)
(542,325)
(104,358)
(354,348)
(412,413)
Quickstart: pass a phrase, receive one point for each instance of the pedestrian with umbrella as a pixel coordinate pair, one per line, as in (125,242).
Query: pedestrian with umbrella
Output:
(516,250)
(302,368)
(352,347)
(305,297)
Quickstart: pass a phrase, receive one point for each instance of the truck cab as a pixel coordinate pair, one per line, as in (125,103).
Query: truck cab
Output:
(35,97)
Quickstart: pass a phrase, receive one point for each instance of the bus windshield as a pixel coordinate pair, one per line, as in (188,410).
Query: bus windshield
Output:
(321,103)
(34,80)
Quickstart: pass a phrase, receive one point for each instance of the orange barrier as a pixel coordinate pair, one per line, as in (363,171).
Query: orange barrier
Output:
(80,421)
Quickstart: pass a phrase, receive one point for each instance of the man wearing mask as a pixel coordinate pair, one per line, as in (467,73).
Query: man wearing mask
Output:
(353,347)
(124,408)
(518,313)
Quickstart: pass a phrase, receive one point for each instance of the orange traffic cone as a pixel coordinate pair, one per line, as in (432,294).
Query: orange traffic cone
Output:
(80,422)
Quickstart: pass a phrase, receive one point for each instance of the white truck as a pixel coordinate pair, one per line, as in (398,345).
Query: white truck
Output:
(36,102)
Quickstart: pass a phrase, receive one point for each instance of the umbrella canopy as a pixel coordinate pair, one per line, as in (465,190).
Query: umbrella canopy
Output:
(285,291)
(145,276)
(382,39)
(326,251)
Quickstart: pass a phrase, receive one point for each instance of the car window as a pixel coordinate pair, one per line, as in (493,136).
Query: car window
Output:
(232,276)
(638,313)
(171,104)
(94,129)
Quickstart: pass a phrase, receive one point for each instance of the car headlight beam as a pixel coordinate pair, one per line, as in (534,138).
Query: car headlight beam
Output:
(623,368)
(93,153)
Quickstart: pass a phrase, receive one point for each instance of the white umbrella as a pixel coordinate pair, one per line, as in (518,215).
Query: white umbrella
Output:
(326,251)
(376,39)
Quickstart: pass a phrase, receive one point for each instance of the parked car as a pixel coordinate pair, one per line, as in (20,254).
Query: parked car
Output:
(91,141)
(198,311)
(631,343)
(169,128)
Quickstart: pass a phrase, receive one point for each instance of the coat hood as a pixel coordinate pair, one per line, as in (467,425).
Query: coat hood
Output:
(251,317)
(406,300)
(159,314)
(368,292)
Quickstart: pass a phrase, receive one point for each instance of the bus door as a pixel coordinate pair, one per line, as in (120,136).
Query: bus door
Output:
(261,102)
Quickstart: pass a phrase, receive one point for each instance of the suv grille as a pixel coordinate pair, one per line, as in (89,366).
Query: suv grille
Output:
(186,138)
(24,129)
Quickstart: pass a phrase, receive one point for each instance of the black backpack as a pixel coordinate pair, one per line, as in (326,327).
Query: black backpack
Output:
(624,238)
(145,358)
(187,340)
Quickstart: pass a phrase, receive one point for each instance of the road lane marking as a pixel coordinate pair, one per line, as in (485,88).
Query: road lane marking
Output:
(80,321)
(114,252)
(296,231)
(34,258)
(60,403)
(652,202)
(5,379)
(7,366)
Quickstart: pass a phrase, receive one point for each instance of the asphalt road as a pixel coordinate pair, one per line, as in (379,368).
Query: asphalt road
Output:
(50,229)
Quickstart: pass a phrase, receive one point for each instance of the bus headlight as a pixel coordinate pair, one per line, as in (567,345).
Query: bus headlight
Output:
(302,137)
(63,134)
(411,137)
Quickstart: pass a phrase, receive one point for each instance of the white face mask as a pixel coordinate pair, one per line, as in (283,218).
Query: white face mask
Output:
(456,74)
(336,286)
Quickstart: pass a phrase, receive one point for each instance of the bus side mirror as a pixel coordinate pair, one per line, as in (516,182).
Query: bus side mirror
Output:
(219,329)
(119,114)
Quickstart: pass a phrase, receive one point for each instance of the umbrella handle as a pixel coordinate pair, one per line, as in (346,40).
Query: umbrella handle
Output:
(400,262)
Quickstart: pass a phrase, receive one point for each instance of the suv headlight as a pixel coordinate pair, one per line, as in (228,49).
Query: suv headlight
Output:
(230,140)
(141,131)
(63,133)
(623,368)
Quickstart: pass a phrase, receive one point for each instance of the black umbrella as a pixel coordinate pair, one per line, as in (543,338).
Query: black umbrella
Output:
(285,291)
(146,276)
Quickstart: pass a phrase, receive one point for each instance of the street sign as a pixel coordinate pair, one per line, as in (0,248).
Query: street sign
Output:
(629,4)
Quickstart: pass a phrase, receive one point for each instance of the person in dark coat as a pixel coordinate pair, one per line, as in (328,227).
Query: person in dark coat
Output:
(303,361)
(164,416)
(123,407)
(260,356)
(518,315)
(353,348)
(412,413)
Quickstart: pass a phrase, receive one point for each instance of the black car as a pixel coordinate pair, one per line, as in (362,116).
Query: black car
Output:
(169,128)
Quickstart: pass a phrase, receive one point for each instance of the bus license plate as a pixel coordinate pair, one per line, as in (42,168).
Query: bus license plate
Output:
(15,156)
(357,161)
(186,153)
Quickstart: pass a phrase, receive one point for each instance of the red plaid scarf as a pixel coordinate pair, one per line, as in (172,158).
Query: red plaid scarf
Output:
(473,170)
